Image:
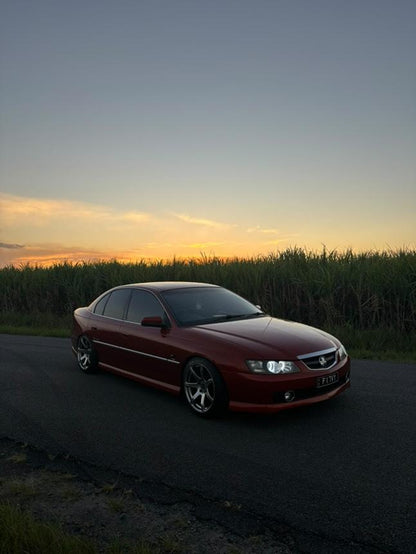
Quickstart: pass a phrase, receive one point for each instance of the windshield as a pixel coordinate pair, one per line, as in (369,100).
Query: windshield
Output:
(195,306)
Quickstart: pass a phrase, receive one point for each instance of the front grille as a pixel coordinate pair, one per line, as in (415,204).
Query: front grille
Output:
(320,360)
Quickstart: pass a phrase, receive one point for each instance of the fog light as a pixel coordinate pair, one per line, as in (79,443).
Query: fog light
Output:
(289,396)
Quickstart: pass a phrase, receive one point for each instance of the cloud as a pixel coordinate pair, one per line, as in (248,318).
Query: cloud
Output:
(201,246)
(46,254)
(202,222)
(135,217)
(43,217)
(11,246)
(49,229)
(15,210)
(259,229)
(278,238)
(282,238)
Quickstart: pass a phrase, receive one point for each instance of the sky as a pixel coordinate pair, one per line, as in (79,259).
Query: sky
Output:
(153,129)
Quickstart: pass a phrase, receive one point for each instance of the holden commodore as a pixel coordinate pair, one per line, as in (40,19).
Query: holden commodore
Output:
(209,344)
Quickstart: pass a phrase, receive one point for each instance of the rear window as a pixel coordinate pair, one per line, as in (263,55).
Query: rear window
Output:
(99,307)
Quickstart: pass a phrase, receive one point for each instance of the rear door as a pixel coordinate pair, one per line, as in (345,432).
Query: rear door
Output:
(148,351)
(105,327)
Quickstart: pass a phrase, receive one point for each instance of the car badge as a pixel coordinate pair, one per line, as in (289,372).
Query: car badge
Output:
(322,361)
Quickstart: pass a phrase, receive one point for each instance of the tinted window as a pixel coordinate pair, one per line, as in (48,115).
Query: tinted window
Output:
(117,303)
(143,304)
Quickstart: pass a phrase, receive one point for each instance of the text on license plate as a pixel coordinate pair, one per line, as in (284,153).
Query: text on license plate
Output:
(327,380)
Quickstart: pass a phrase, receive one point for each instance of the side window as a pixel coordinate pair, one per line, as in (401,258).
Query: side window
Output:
(116,304)
(143,304)
(99,307)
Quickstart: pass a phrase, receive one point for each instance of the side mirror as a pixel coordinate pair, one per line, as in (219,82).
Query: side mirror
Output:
(153,321)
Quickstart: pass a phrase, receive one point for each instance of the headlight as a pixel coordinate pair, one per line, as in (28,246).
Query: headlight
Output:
(272,366)
(342,353)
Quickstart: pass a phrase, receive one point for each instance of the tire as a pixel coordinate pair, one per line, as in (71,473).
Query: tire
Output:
(204,389)
(86,355)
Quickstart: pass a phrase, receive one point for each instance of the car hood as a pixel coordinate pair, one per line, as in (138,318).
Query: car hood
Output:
(289,338)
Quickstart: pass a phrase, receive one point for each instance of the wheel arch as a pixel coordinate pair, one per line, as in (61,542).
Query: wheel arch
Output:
(190,357)
(197,380)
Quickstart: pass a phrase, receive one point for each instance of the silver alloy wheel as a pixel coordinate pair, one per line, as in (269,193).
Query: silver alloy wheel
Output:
(85,354)
(199,387)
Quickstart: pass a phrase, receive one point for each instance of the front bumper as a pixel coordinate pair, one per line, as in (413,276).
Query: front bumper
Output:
(266,394)
(236,406)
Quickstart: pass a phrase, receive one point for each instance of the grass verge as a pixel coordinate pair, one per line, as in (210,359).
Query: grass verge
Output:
(19,532)
(55,504)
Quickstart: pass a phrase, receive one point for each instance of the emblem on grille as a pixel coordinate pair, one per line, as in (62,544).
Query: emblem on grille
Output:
(322,361)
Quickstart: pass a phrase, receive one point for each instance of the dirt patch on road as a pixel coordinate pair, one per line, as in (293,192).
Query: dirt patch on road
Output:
(103,505)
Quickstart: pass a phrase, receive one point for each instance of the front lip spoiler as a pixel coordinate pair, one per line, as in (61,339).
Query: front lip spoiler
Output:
(274,408)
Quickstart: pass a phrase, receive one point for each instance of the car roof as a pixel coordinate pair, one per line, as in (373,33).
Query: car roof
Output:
(167,285)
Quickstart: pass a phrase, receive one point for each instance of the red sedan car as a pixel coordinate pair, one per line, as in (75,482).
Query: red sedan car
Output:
(210,344)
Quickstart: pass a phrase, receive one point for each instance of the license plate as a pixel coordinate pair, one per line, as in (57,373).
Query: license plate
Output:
(327,380)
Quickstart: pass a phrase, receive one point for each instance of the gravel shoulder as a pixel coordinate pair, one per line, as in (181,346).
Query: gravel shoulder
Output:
(103,505)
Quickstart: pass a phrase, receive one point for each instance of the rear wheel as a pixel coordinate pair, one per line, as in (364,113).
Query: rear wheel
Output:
(86,355)
(204,389)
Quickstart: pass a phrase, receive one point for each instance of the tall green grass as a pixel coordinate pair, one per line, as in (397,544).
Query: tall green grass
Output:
(371,294)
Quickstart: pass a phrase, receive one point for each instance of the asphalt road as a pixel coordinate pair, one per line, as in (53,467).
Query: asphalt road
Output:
(343,471)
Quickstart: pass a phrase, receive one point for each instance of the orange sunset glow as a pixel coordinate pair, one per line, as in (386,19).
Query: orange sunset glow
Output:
(147,131)
(64,231)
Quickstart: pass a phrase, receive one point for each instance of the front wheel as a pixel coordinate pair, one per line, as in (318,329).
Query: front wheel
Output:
(86,355)
(204,388)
